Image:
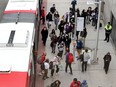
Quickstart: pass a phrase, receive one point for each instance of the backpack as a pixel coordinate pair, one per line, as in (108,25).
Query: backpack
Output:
(84,84)
(43,66)
(51,65)
(79,44)
(70,58)
(41,59)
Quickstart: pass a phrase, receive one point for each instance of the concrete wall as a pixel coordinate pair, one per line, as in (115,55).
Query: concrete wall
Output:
(109,7)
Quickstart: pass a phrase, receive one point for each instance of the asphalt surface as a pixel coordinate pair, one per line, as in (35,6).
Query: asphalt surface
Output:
(3,4)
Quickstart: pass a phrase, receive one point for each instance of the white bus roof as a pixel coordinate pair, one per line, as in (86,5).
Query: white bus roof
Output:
(21,5)
(16,56)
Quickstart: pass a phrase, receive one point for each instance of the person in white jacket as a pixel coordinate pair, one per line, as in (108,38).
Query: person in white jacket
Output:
(56,62)
(86,56)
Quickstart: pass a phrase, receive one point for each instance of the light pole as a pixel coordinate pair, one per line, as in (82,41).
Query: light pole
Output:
(98,23)
(97,37)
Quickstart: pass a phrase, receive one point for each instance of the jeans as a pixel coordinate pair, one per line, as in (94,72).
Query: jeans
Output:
(84,66)
(68,64)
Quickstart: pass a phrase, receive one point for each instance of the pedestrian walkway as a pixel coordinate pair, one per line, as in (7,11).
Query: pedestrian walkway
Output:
(95,74)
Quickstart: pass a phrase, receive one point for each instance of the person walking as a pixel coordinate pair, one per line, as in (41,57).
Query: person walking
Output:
(41,60)
(53,43)
(43,15)
(108,29)
(84,14)
(44,34)
(85,60)
(67,42)
(79,46)
(53,9)
(60,49)
(56,60)
(49,19)
(73,3)
(56,19)
(83,34)
(46,64)
(75,83)
(69,60)
(107,60)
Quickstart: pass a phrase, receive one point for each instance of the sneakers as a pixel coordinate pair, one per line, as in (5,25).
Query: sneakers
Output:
(47,77)
(56,74)
(40,74)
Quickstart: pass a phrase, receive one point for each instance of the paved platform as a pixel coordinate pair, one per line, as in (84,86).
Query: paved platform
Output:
(95,74)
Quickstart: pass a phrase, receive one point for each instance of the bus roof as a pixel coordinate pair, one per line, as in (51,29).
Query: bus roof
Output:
(21,6)
(17,55)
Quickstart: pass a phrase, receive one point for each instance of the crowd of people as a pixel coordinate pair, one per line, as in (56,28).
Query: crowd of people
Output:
(65,24)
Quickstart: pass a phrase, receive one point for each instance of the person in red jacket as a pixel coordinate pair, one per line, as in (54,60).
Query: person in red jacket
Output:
(43,15)
(75,83)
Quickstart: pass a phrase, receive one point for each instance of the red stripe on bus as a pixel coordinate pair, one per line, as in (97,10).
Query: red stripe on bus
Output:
(14,79)
(16,11)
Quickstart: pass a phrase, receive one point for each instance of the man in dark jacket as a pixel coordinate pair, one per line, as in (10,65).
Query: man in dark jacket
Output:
(73,3)
(53,9)
(49,19)
(44,34)
(67,42)
(107,59)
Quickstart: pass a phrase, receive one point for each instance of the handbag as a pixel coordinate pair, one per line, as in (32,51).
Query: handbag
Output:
(89,61)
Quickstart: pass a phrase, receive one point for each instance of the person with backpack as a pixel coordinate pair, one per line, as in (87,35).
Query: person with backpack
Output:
(67,28)
(86,57)
(69,60)
(46,66)
(53,43)
(75,83)
(60,49)
(41,60)
(52,68)
(56,61)
(49,19)
(79,46)
(53,9)
(84,84)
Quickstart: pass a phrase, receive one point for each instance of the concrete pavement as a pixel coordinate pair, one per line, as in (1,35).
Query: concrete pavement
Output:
(95,74)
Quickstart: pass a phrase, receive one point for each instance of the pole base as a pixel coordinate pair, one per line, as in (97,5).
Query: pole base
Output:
(95,61)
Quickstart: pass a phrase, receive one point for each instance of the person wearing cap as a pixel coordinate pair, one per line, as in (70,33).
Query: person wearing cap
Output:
(108,29)
(107,59)
(75,83)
